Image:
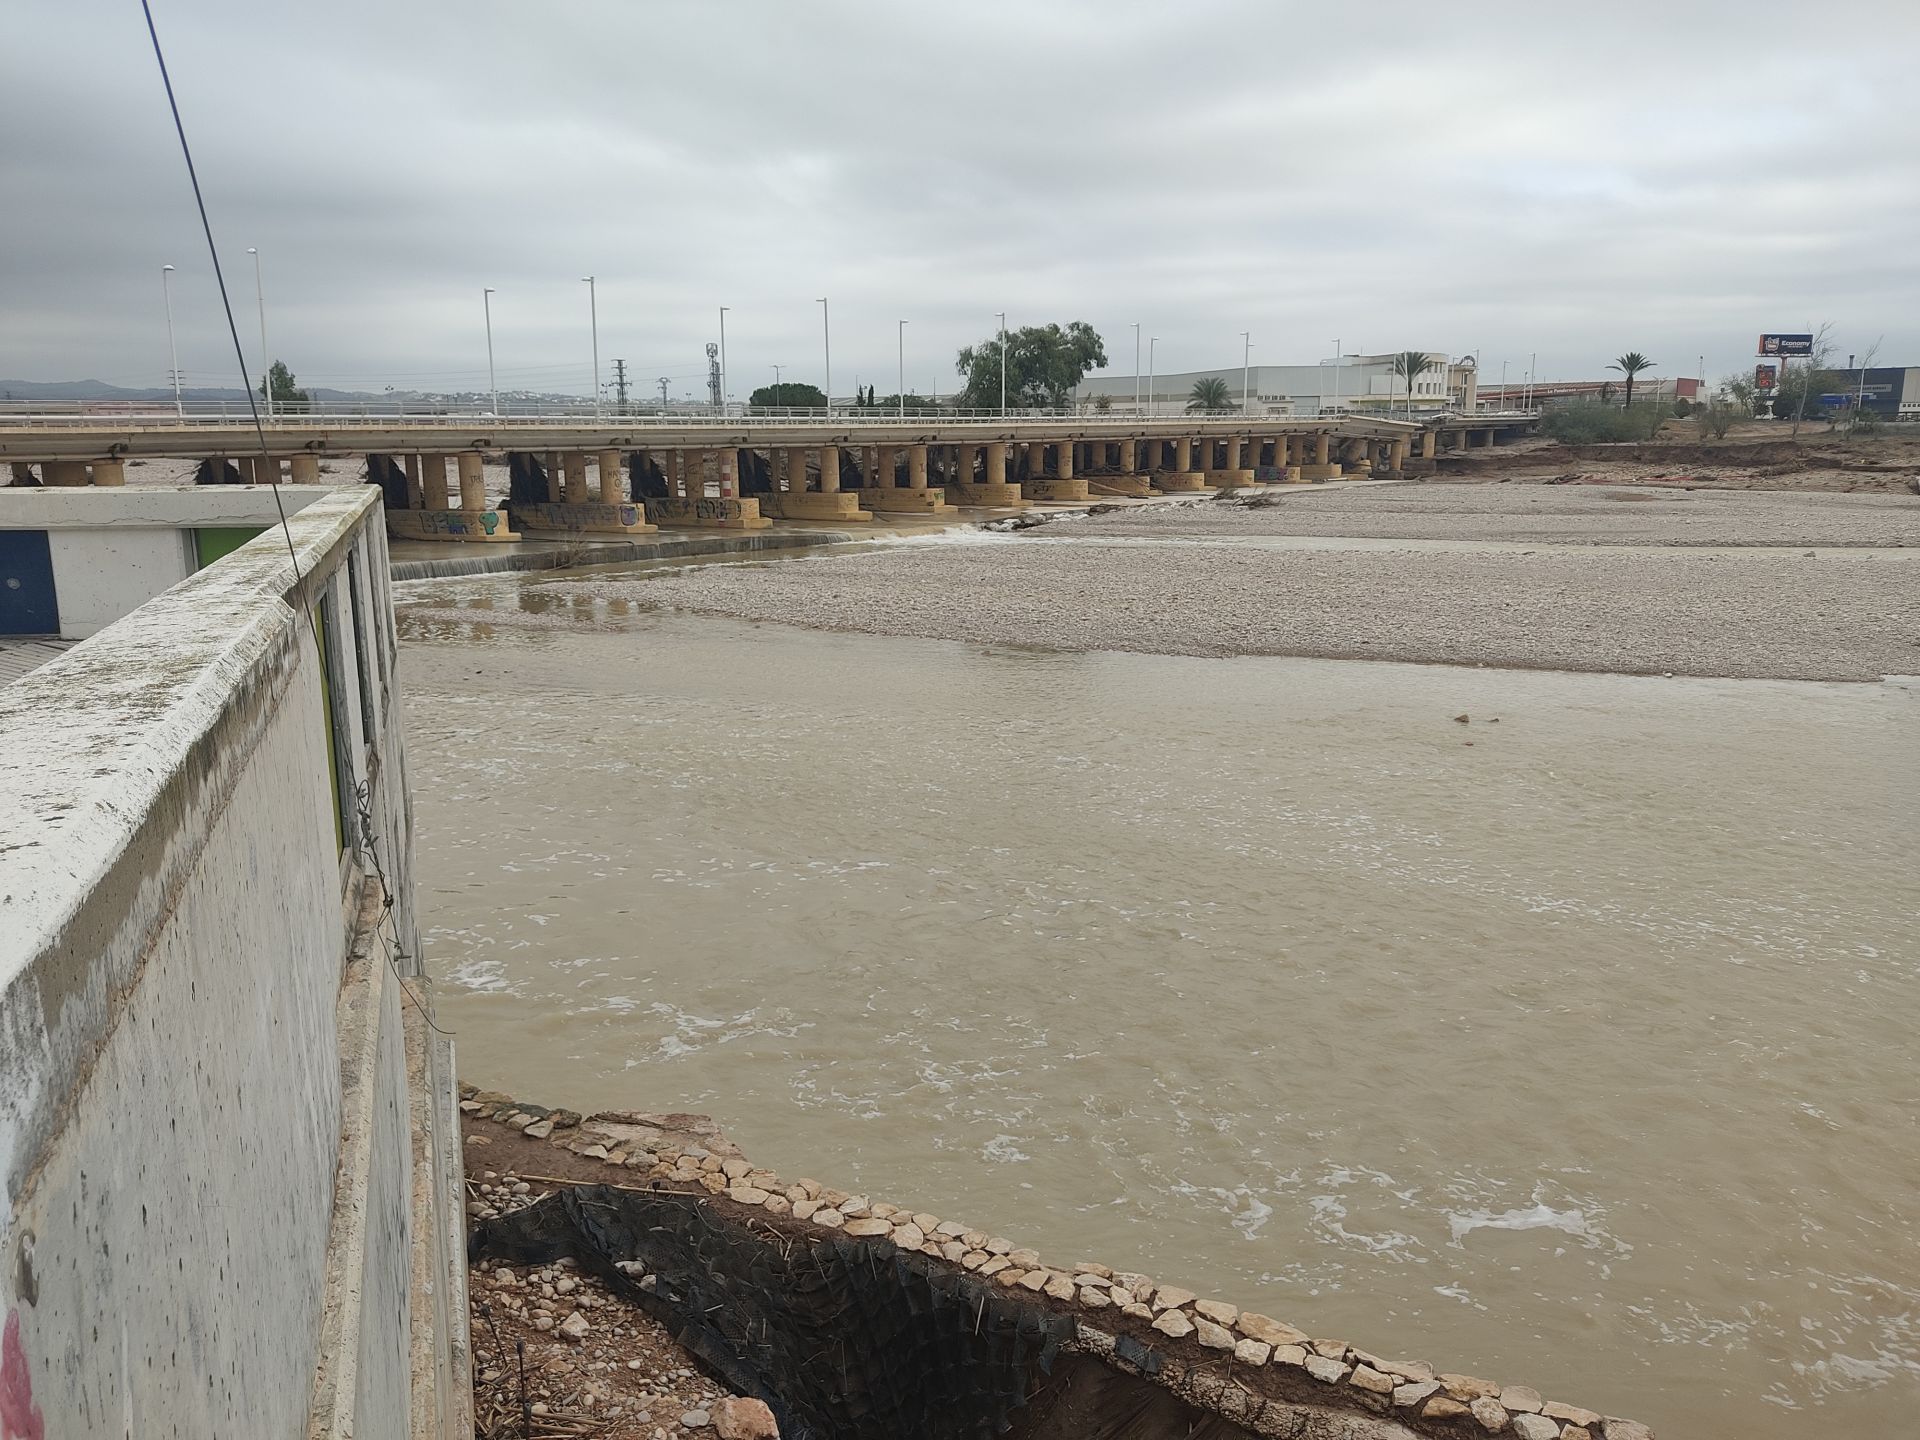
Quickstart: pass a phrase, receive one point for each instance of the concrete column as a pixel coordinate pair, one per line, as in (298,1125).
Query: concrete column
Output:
(1066,459)
(916,467)
(109,472)
(556,477)
(1129,457)
(829,469)
(433,481)
(1322,443)
(610,473)
(996,462)
(575,463)
(22,474)
(473,482)
(880,467)
(797,470)
(1182,456)
(1426,444)
(306,469)
(1236,447)
(411,465)
(1398,456)
(728,468)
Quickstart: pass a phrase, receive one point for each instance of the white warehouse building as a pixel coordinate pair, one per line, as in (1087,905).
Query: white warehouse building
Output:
(1364,383)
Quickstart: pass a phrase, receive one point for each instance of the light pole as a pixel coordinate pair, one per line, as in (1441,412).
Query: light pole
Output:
(1152,340)
(266,365)
(173,351)
(1246,372)
(902,396)
(486,304)
(1003,363)
(1336,374)
(778,398)
(826,341)
(723,359)
(593,317)
(1504,400)
(1136,367)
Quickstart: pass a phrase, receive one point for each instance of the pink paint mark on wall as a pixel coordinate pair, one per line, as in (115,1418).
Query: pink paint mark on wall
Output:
(19,1416)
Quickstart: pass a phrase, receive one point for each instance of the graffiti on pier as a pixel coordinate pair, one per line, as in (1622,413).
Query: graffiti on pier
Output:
(590,516)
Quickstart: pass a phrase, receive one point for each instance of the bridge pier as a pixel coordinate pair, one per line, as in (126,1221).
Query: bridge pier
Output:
(430,514)
(729,510)
(1179,476)
(1233,474)
(1063,484)
(796,502)
(916,497)
(991,489)
(1322,466)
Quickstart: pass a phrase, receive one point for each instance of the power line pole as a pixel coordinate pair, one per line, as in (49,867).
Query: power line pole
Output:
(663,394)
(620,384)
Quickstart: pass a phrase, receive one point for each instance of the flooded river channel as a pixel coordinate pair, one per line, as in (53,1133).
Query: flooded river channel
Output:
(1571,1045)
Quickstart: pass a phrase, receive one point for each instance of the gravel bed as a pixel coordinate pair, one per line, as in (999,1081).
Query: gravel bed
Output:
(1544,514)
(1634,610)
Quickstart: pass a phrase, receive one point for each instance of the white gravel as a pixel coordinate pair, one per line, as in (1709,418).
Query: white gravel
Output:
(1831,616)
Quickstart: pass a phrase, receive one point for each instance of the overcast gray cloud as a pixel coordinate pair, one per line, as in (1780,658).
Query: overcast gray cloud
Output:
(1487,179)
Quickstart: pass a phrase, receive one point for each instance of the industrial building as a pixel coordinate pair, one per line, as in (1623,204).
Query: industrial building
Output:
(1346,383)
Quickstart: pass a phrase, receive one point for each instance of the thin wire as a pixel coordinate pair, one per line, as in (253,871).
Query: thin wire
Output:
(272,466)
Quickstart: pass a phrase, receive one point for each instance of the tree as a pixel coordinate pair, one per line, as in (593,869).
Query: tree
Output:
(1043,364)
(1103,404)
(1209,397)
(1410,365)
(285,393)
(791,394)
(1802,383)
(1630,365)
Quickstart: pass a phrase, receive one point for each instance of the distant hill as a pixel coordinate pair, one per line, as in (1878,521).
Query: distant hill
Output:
(101,390)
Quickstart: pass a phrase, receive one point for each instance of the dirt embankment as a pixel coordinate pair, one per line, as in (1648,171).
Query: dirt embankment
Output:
(1753,457)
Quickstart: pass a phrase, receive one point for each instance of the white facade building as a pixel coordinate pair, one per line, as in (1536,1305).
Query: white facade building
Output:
(1350,383)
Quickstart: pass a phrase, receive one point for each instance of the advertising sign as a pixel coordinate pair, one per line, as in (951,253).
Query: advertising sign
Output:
(1786,345)
(1766,377)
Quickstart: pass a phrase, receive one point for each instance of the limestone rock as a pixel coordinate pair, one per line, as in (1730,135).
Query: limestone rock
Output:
(1059,1287)
(1491,1414)
(713,1182)
(1365,1377)
(575,1326)
(1024,1258)
(538,1129)
(951,1229)
(976,1239)
(953,1250)
(1289,1354)
(1259,1327)
(868,1227)
(974,1259)
(1408,1396)
(1520,1398)
(995,1265)
(740,1419)
(695,1419)
(1174,1323)
(831,1219)
(1217,1311)
(1214,1337)
(1414,1372)
(911,1237)
(854,1207)
(926,1222)
(1529,1425)
(735,1169)
(1444,1407)
(1132,1280)
(778,1205)
(1624,1430)
(880,1210)
(811,1188)
(1010,1276)
(746,1194)
(1467,1387)
(1118,1294)
(1252,1352)
(1331,1349)
(1331,1372)
(1169,1297)
(804,1209)
(1035,1280)
(1088,1267)
(1576,1432)
(1554,1410)
(996,1245)
(1137,1310)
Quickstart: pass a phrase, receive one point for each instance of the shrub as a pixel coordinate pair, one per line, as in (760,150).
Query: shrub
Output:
(1718,415)
(1682,407)
(1592,423)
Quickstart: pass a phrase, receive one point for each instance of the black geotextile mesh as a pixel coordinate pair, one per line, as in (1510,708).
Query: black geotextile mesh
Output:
(845,1339)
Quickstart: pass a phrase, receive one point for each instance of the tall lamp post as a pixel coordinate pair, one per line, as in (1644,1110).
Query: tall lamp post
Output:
(1136,367)
(486,304)
(902,396)
(1003,363)
(826,340)
(723,358)
(1152,340)
(1246,372)
(266,365)
(173,351)
(593,316)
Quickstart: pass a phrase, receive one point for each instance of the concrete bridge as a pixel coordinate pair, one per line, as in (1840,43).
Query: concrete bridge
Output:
(628,475)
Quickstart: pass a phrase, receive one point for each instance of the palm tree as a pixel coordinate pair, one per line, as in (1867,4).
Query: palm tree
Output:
(1209,397)
(1409,365)
(1630,365)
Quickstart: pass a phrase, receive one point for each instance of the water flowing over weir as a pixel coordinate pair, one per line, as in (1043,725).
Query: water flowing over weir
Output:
(1539,1054)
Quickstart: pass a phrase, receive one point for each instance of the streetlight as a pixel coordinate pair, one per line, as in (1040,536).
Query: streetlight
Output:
(1246,372)
(1152,340)
(902,397)
(173,351)
(778,398)
(1136,367)
(1336,374)
(266,366)
(826,341)
(486,304)
(1003,363)
(723,359)
(593,314)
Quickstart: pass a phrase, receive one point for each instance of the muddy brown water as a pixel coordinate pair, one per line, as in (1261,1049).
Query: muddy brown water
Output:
(1579,1055)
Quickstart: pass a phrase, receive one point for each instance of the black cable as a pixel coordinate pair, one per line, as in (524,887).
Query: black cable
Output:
(272,466)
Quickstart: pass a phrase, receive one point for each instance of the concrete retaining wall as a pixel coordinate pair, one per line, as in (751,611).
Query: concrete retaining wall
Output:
(207,1091)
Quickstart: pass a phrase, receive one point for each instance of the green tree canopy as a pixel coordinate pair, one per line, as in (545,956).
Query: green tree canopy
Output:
(1044,363)
(1410,365)
(1630,365)
(285,392)
(1209,397)
(790,393)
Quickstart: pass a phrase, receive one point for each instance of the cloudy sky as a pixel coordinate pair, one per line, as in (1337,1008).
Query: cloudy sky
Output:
(1498,180)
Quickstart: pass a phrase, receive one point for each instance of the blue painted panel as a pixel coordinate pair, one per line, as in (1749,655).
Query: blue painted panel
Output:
(27,603)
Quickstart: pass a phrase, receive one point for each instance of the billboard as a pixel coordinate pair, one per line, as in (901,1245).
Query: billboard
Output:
(1786,345)
(1766,377)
